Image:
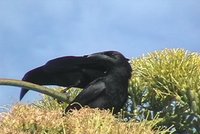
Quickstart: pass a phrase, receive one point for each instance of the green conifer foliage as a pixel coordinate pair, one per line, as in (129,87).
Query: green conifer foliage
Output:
(167,83)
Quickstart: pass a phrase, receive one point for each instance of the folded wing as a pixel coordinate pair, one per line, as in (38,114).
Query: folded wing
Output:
(69,71)
(91,94)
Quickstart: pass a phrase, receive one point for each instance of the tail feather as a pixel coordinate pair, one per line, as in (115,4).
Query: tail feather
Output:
(36,76)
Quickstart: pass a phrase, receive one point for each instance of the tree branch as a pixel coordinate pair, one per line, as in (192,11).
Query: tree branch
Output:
(35,87)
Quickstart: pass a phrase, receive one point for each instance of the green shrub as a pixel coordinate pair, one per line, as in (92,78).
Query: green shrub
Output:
(28,119)
(167,84)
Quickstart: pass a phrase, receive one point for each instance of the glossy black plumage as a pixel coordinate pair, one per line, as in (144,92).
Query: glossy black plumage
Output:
(103,76)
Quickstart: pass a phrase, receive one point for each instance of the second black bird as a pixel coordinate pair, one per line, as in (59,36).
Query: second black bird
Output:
(103,76)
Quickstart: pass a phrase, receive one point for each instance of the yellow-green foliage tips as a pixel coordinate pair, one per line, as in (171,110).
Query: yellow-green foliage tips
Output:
(28,119)
(25,119)
(50,103)
(171,74)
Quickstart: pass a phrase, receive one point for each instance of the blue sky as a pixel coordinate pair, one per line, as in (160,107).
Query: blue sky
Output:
(33,32)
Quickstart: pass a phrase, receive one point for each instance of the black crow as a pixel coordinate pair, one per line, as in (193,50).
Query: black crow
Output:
(103,76)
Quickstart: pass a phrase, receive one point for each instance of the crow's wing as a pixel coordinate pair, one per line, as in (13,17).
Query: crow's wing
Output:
(69,71)
(95,90)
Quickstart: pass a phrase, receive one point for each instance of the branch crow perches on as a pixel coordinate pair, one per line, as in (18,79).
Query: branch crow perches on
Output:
(103,76)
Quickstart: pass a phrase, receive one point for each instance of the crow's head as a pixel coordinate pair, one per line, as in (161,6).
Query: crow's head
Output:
(111,56)
(113,59)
